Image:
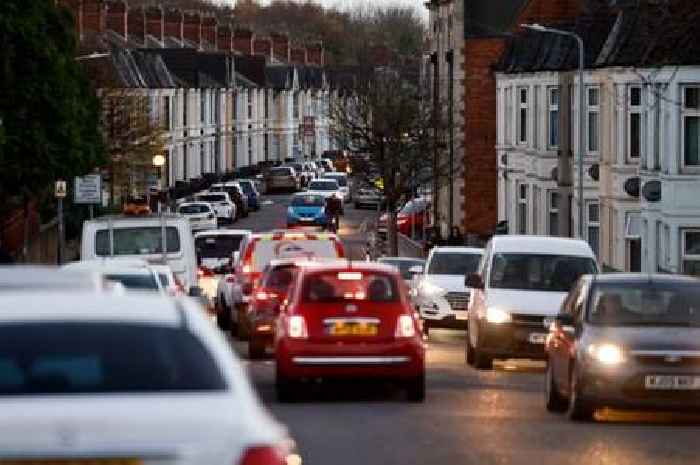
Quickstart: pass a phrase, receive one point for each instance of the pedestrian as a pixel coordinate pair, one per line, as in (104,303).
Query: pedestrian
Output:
(456,237)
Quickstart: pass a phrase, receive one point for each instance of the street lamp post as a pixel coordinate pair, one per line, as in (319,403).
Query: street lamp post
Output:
(581,109)
(158,162)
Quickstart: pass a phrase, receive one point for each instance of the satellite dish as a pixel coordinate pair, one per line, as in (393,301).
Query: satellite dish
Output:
(631,186)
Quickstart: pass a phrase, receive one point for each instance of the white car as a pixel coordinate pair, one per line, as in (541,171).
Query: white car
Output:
(201,215)
(439,292)
(33,278)
(168,280)
(131,379)
(343,182)
(325,187)
(134,275)
(224,207)
(518,289)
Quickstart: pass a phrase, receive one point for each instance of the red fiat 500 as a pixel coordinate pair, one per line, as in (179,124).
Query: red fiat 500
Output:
(348,320)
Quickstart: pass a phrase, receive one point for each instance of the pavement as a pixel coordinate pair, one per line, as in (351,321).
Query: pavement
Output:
(469,417)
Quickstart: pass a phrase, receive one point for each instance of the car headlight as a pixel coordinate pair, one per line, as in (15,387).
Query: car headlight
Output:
(606,354)
(497,316)
(430,289)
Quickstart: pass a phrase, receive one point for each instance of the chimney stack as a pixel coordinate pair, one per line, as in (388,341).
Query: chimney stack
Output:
(224,39)
(298,56)
(209,27)
(192,28)
(136,24)
(155,26)
(280,47)
(263,46)
(94,16)
(116,17)
(315,54)
(243,41)
(174,24)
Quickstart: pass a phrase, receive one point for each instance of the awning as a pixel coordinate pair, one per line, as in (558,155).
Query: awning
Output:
(633,226)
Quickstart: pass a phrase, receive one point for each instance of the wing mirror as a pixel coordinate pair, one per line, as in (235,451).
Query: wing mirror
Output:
(474,281)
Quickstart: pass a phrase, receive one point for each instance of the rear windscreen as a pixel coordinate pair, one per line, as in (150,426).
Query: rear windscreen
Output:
(137,241)
(335,286)
(267,250)
(212,198)
(87,358)
(217,246)
(194,209)
(137,282)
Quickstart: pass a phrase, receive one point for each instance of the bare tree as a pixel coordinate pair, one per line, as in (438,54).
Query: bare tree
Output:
(388,123)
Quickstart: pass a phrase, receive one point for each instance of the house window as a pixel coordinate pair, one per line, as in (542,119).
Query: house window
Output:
(267,105)
(165,116)
(295,105)
(593,211)
(522,209)
(185,98)
(250,104)
(266,145)
(509,115)
(212,108)
(522,115)
(250,150)
(634,122)
(535,117)
(202,159)
(535,209)
(553,212)
(553,118)
(593,119)
(202,106)
(658,89)
(691,251)
(691,126)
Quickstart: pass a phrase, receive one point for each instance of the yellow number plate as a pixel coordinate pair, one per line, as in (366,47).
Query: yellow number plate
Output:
(354,329)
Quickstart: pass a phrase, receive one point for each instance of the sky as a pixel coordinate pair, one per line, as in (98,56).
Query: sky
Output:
(419,5)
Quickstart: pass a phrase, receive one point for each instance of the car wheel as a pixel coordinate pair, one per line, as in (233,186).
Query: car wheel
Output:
(223,317)
(554,402)
(482,361)
(256,348)
(578,408)
(469,356)
(242,334)
(286,389)
(415,389)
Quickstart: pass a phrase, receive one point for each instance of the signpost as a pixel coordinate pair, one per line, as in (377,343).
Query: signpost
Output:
(88,190)
(60,193)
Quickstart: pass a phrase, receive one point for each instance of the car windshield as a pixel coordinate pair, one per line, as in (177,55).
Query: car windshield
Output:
(135,281)
(538,272)
(280,172)
(221,246)
(211,197)
(454,263)
(342,180)
(404,266)
(137,241)
(323,185)
(194,209)
(246,187)
(280,278)
(339,286)
(103,358)
(641,304)
(308,201)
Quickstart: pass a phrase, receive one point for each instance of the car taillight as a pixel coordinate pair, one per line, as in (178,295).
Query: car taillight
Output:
(296,327)
(405,326)
(262,295)
(263,455)
(231,279)
(247,268)
(203,271)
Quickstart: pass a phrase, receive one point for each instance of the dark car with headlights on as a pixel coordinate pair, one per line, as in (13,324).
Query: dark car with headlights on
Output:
(625,341)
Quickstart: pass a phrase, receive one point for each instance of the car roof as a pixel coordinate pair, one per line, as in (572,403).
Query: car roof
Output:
(280,234)
(33,275)
(458,249)
(545,245)
(224,232)
(116,266)
(400,259)
(348,265)
(88,307)
(650,278)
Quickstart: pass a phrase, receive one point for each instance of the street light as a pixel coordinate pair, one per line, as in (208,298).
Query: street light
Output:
(92,56)
(581,96)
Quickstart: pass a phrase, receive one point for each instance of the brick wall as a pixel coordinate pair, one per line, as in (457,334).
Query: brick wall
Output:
(549,11)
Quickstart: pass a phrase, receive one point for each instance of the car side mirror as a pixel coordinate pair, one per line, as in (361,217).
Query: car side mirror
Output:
(416,269)
(196,291)
(474,281)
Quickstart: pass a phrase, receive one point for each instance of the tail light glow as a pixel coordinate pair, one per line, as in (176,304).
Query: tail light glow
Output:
(296,327)
(405,327)
(263,455)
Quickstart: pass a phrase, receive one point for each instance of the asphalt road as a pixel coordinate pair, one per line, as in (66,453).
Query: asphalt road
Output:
(468,417)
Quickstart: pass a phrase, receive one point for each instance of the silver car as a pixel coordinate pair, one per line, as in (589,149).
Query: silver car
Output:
(283,177)
(367,197)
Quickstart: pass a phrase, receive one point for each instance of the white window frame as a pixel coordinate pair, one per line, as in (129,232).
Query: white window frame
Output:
(553,108)
(635,110)
(521,217)
(590,223)
(685,256)
(508,97)
(592,110)
(687,113)
(535,117)
(522,132)
(552,210)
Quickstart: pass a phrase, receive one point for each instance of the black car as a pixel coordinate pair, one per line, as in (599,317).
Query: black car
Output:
(625,341)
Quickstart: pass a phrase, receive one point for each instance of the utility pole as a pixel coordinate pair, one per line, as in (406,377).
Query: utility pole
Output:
(60,193)
(449,57)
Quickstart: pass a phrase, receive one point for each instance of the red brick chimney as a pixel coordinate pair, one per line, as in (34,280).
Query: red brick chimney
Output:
(174,24)
(314,54)
(243,41)
(155,24)
(298,56)
(116,17)
(280,47)
(263,46)
(136,24)
(76,9)
(192,28)
(94,16)
(224,39)
(209,26)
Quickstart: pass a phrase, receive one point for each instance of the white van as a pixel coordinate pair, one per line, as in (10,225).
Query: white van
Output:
(518,289)
(163,239)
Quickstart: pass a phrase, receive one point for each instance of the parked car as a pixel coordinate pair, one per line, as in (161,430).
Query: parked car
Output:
(201,215)
(326,165)
(343,182)
(265,303)
(307,209)
(250,189)
(256,252)
(168,280)
(440,294)
(283,177)
(237,195)
(411,217)
(133,275)
(314,168)
(163,239)
(519,287)
(215,251)
(133,376)
(625,341)
(305,174)
(222,204)
(367,197)
(348,320)
(405,265)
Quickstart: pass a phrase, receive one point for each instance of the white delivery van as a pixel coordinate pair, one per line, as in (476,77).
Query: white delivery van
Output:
(161,239)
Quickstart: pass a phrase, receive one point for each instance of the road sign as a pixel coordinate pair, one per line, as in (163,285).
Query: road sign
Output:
(88,189)
(60,191)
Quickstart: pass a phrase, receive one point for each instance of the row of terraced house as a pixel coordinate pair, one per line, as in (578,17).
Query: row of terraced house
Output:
(226,97)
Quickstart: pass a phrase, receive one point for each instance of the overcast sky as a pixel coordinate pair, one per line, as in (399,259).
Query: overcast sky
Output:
(418,5)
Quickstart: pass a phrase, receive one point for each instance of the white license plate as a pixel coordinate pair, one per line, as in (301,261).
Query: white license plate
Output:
(306,219)
(537,338)
(675,383)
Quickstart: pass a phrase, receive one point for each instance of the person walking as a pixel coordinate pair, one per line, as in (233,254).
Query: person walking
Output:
(333,207)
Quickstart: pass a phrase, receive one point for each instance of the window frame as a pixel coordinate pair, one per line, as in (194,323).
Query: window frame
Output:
(687,113)
(522,116)
(635,110)
(590,223)
(551,210)
(521,216)
(592,110)
(553,109)
(685,256)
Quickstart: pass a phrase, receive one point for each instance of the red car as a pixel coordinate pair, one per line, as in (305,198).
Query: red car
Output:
(411,217)
(348,320)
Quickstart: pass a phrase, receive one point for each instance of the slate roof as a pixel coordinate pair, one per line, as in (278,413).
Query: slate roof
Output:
(489,18)
(252,67)
(311,77)
(197,69)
